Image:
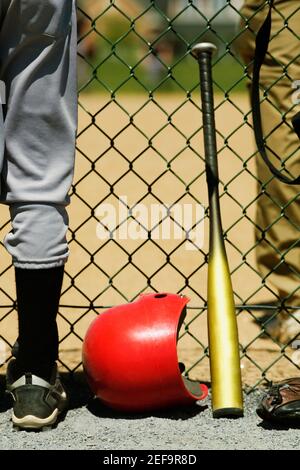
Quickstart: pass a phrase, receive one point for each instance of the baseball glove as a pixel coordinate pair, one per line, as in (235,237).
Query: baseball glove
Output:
(282,402)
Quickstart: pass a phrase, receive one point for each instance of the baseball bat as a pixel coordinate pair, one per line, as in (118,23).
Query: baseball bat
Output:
(226,383)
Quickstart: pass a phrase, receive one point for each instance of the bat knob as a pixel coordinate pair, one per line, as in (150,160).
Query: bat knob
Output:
(203,47)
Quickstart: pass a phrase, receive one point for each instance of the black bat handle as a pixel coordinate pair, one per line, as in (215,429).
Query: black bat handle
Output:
(203,53)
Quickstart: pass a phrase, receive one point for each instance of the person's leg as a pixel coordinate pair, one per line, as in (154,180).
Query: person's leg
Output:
(38,64)
(279,208)
(277,234)
(278,252)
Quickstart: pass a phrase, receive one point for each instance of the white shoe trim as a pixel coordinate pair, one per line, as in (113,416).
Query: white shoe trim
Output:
(32,422)
(34,381)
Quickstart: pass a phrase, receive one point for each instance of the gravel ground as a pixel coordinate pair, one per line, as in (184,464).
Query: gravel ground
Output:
(88,425)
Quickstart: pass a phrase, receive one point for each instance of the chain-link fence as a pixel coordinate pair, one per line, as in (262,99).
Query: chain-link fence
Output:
(140,146)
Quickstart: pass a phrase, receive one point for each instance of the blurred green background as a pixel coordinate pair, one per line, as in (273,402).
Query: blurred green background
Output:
(113,75)
(152,53)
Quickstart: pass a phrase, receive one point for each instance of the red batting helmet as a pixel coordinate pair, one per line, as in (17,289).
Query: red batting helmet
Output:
(130,355)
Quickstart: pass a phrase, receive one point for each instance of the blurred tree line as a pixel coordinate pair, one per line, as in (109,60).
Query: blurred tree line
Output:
(132,46)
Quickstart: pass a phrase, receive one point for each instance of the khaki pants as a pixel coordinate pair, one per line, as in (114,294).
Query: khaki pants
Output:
(278,208)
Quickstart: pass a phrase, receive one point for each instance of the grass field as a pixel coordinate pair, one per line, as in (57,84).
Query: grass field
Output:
(122,74)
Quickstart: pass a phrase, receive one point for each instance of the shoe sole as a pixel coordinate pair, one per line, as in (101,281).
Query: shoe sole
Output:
(287,418)
(33,422)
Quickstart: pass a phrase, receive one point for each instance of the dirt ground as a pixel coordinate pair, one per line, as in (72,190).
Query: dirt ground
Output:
(116,142)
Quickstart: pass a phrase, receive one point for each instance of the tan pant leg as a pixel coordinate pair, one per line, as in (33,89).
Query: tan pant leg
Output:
(278,209)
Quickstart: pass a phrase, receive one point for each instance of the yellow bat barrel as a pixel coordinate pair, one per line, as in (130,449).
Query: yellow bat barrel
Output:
(227,396)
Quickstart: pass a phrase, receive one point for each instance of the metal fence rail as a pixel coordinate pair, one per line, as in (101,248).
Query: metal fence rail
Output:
(139,136)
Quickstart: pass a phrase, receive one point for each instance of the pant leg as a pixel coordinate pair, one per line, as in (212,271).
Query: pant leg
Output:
(38,238)
(38,64)
(278,208)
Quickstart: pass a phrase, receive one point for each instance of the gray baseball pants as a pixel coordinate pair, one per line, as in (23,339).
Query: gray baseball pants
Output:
(37,126)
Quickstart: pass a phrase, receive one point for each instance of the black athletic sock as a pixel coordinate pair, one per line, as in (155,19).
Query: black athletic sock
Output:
(38,294)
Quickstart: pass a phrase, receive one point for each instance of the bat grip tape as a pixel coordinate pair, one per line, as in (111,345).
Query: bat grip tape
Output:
(209,128)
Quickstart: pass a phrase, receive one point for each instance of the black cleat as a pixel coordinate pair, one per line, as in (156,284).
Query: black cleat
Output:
(37,403)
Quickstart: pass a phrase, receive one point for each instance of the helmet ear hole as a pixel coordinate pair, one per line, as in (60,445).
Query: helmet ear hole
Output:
(160,296)
(192,386)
